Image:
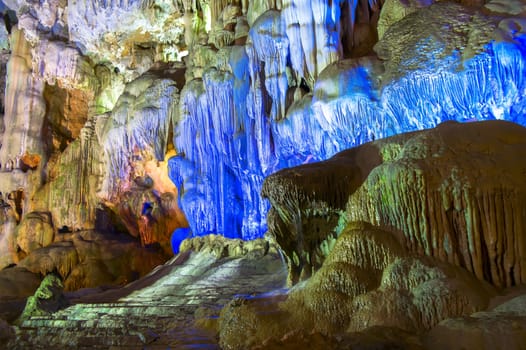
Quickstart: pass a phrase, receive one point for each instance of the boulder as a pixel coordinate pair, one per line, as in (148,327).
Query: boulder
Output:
(89,259)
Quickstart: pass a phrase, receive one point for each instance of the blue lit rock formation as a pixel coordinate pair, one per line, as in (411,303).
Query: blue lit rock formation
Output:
(251,112)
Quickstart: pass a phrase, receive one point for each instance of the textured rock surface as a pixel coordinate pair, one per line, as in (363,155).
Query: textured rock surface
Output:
(395,10)
(34,231)
(368,280)
(24,108)
(73,180)
(18,282)
(48,298)
(87,134)
(455,193)
(157,310)
(222,247)
(305,100)
(89,259)
(135,139)
(503,327)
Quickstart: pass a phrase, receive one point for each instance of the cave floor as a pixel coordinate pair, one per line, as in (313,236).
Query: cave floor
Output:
(157,311)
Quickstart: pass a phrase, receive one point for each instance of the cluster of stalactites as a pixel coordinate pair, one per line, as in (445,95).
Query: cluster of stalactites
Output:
(286,97)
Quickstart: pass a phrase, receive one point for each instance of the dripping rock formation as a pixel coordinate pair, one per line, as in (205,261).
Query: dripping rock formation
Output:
(132,131)
(455,193)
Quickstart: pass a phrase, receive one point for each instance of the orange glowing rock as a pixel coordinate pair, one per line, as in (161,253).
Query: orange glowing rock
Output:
(30,160)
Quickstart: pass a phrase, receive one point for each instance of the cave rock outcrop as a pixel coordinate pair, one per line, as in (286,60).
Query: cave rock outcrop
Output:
(455,193)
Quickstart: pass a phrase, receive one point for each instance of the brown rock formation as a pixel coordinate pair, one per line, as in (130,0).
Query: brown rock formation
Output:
(456,193)
(17,282)
(90,259)
(368,280)
(67,112)
(70,193)
(503,327)
(34,231)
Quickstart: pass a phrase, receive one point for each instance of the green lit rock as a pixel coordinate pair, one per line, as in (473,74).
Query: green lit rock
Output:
(47,299)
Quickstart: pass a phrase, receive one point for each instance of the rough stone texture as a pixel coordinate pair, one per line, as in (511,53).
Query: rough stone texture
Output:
(24,115)
(67,113)
(48,298)
(73,179)
(17,282)
(158,310)
(455,192)
(129,35)
(307,202)
(368,280)
(135,140)
(512,7)
(57,62)
(67,174)
(223,247)
(420,38)
(223,33)
(504,327)
(24,106)
(34,231)
(88,259)
(394,10)
(90,49)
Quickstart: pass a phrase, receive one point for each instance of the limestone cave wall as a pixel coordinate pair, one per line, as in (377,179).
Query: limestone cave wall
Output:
(132,119)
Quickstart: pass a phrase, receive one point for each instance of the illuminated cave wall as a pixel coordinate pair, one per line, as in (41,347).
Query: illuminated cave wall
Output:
(290,96)
(241,88)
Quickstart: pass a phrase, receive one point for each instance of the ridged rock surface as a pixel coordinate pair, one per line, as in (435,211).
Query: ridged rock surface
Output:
(503,327)
(135,139)
(368,280)
(70,193)
(455,193)
(24,113)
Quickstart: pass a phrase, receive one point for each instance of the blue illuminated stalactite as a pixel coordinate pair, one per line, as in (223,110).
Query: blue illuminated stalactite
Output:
(231,132)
